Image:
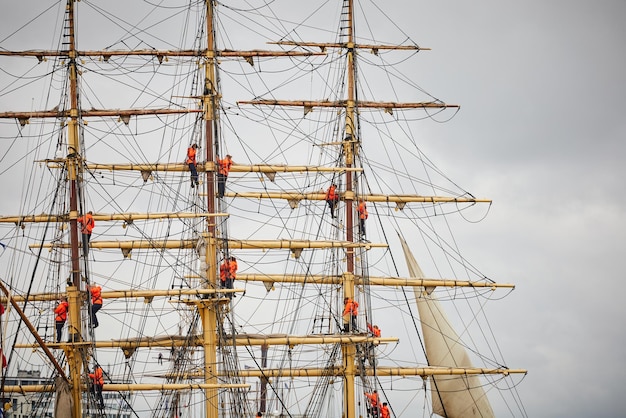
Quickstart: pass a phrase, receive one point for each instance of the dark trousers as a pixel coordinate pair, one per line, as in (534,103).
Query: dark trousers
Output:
(98,393)
(351,325)
(228,284)
(86,238)
(94,309)
(59,325)
(221,184)
(194,173)
(372,411)
(362,227)
(331,205)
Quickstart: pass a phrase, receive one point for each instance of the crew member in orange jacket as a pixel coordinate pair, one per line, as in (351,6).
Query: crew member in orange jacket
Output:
(61,316)
(362,209)
(87,223)
(372,409)
(374,330)
(191,162)
(371,354)
(384,411)
(225,274)
(332,197)
(97,378)
(224,166)
(96,302)
(350,312)
(233,268)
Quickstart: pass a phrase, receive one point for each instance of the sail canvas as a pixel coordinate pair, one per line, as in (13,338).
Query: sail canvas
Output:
(452,396)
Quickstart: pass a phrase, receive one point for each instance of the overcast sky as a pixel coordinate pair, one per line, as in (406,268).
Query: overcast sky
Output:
(542,89)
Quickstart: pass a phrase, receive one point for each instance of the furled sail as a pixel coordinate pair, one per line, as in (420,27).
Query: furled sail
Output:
(452,396)
(63,407)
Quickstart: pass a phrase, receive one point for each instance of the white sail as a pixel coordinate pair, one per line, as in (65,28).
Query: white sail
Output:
(452,396)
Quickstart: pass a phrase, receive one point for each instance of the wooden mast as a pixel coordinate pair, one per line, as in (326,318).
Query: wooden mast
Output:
(350,148)
(75,355)
(208,309)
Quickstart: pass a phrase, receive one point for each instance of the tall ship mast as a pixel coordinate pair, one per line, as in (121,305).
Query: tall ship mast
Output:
(218,209)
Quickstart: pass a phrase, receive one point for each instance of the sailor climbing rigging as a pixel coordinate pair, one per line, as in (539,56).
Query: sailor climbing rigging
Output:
(61,316)
(191,162)
(96,302)
(87,223)
(332,197)
(362,209)
(224,166)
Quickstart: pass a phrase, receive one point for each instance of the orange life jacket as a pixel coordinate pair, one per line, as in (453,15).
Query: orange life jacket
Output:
(224,166)
(384,412)
(351,307)
(362,209)
(233,268)
(373,397)
(97,377)
(61,311)
(87,223)
(225,271)
(331,194)
(374,330)
(191,155)
(96,295)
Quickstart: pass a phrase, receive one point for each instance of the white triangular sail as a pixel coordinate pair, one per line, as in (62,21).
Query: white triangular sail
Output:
(452,396)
